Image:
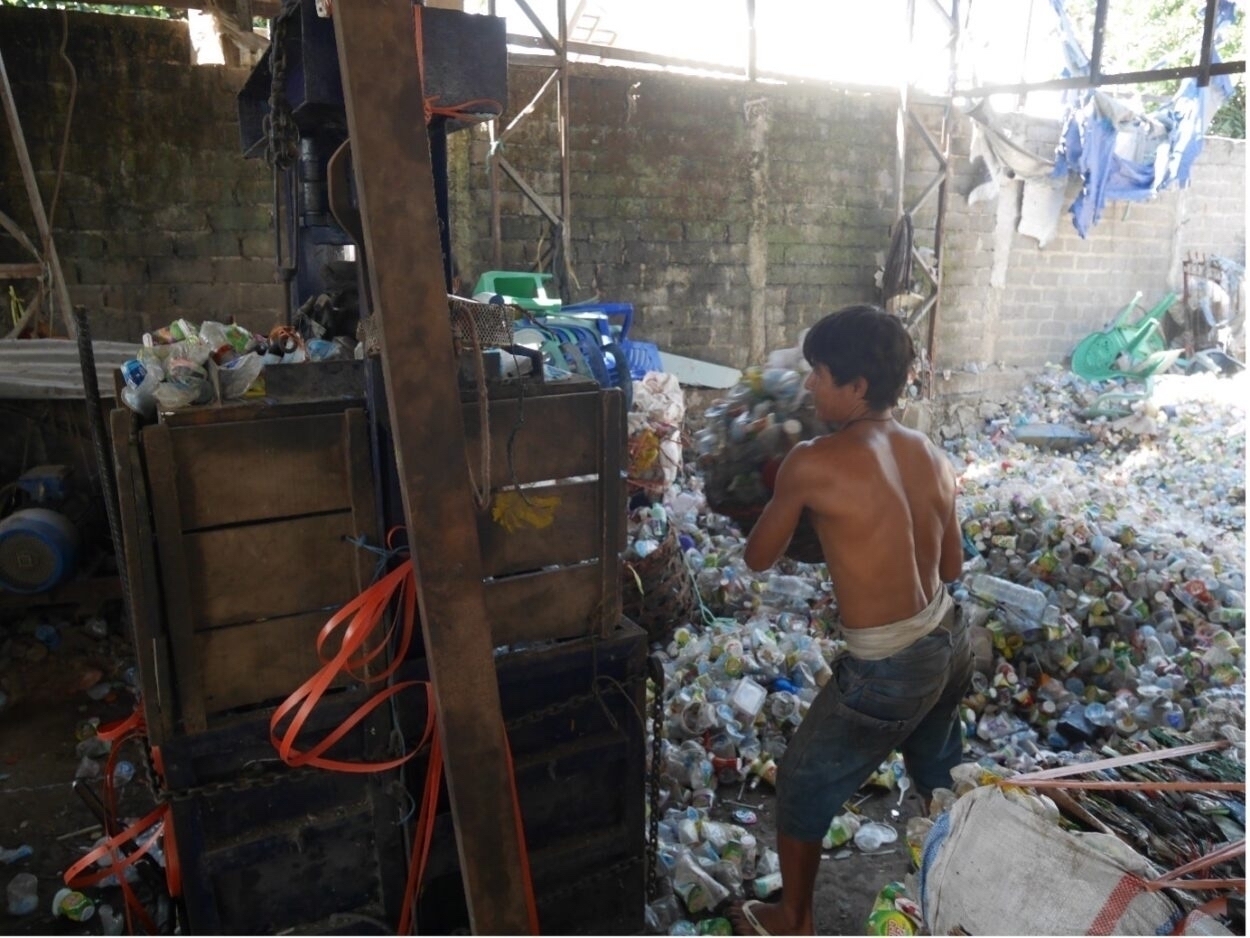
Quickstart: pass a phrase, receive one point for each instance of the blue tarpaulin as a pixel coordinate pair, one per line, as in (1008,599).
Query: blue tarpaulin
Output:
(1087,146)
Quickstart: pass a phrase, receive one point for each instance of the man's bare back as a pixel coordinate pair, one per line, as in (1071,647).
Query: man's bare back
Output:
(882,500)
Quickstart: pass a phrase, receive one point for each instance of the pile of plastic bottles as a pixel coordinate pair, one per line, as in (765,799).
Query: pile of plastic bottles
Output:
(1112,580)
(171,370)
(1109,580)
(748,433)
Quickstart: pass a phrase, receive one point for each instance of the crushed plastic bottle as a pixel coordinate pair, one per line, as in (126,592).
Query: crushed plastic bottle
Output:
(23,894)
(1104,587)
(8,856)
(73,905)
(123,772)
(874,835)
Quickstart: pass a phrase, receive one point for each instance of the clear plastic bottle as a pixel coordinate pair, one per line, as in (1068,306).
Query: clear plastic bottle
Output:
(123,772)
(23,894)
(142,380)
(873,836)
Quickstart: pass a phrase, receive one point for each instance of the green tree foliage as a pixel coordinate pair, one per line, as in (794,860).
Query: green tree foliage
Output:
(1150,34)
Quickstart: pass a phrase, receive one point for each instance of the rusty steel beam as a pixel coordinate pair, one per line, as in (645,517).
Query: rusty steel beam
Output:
(1121,78)
(1208,44)
(394,180)
(1100,34)
(263,8)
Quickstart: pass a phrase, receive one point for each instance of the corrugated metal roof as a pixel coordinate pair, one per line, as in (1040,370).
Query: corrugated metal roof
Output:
(49,368)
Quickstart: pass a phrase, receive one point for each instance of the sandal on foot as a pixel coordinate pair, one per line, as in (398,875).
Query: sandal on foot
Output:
(751,919)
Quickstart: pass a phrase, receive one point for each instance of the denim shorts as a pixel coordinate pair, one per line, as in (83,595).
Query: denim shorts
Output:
(908,701)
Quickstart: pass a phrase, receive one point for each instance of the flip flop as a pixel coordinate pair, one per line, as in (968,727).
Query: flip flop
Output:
(750,916)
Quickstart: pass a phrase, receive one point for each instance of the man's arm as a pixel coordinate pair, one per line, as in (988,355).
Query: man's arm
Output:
(771,534)
(951,564)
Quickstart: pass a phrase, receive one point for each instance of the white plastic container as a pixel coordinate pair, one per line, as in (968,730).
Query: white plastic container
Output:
(748,697)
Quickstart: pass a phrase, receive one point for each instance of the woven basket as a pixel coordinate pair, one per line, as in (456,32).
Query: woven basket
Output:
(667,599)
(804,546)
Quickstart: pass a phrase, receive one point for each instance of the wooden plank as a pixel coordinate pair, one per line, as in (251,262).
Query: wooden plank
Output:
(262,409)
(147,635)
(532,528)
(162,481)
(552,604)
(554,438)
(611,508)
(236,472)
(255,662)
(395,186)
(59,288)
(30,271)
(278,568)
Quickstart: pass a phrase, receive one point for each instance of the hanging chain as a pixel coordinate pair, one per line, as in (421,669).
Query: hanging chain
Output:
(281,134)
(653,777)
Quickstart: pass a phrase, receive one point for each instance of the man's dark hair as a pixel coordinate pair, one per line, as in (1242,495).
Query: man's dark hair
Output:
(863,342)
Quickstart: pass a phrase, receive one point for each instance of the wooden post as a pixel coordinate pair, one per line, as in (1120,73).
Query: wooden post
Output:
(47,245)
(391,161)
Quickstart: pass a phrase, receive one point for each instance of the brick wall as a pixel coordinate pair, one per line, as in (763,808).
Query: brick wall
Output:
(158,216)
(730,215)
(1053,296)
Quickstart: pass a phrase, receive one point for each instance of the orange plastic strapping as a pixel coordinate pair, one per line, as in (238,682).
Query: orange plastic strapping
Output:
(359,618)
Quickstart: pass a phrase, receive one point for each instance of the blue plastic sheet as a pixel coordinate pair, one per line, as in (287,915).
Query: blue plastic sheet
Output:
(1088,143)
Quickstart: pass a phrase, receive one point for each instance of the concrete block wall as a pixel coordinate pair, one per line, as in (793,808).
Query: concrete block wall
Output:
(731,215)
(158,216)
(1045,299)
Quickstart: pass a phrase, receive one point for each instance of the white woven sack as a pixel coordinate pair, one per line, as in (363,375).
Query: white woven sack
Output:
(993,867)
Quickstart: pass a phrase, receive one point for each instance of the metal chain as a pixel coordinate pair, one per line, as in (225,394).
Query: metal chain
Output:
(281,135)
(238,783)
(570,703)
(242,782)
(653,778)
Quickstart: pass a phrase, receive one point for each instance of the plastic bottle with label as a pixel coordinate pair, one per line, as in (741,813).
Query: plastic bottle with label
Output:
(73,905)
(142,380)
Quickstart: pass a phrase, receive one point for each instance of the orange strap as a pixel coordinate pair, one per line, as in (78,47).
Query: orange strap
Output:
(423,837)
(359,618)
(79,875)
(531,905)
(1172,879)
(1099,785)
(1130,887)
(1152,755)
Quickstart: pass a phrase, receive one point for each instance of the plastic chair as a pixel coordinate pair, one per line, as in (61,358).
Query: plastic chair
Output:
(522,288)
(1136,349)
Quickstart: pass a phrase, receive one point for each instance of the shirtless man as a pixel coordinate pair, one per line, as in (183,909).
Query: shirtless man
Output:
(882,500)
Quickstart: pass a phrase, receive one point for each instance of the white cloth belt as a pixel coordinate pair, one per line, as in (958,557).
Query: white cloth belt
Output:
(881,641)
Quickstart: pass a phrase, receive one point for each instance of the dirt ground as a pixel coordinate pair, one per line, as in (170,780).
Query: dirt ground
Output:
(49,703)
(46,685)
(849,880)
